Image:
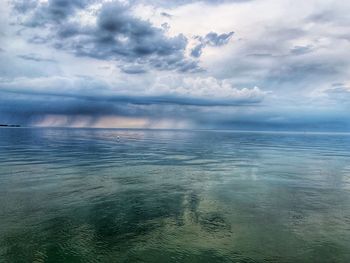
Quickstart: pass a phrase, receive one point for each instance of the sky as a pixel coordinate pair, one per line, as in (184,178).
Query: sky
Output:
(210,64)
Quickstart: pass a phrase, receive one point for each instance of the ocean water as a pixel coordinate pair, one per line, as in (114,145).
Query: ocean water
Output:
(108,195)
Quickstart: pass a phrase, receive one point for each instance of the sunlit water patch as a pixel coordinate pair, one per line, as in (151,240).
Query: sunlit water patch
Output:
(94,195)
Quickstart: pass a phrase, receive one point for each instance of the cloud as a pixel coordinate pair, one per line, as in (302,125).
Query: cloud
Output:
(193,91)
(133,69)
(166,14)
(36,58)
(209,89)
(338,92)
(216,40)
(211,39)
(177,59)
(24,6)
(89,103)
(31,100)
(123,37)
(48,12)
(301,50)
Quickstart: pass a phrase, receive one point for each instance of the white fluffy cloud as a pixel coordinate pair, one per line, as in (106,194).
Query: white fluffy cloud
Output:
(206,87)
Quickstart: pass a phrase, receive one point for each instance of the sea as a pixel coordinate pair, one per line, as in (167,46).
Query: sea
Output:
(119,195)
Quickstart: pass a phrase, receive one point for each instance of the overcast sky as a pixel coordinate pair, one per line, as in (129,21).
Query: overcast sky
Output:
(239,64)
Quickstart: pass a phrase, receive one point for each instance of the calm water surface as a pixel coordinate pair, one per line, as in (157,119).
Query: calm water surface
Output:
(83,195)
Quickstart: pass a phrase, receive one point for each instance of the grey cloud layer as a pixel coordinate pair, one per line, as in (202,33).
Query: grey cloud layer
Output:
(291,60)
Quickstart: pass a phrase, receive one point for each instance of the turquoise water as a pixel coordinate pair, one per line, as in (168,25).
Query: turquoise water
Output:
(99,195)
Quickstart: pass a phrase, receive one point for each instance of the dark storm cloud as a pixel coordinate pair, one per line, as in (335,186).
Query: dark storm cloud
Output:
(117,35)
(24,6)
(211,39)
(26,107)
(26,100)
(52,12)
(135,100)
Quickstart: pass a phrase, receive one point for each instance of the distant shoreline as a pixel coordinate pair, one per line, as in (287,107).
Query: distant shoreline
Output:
(296,132)
(10,125)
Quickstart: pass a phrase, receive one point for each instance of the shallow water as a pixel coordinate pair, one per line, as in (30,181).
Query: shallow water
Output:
(87,195)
